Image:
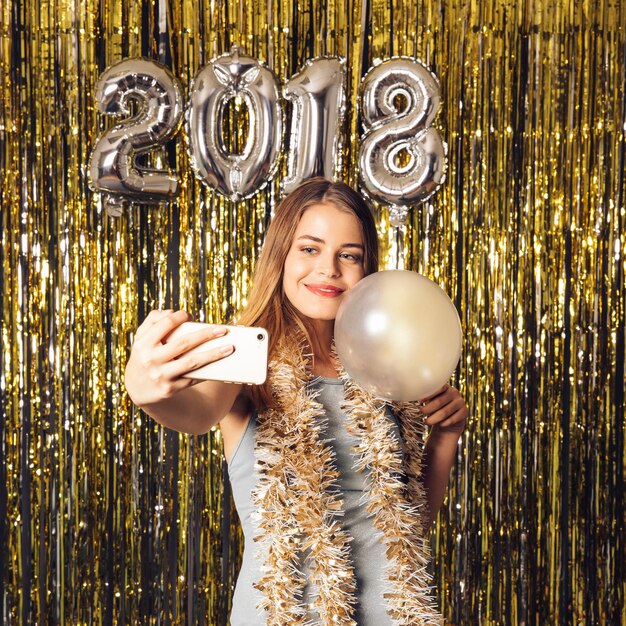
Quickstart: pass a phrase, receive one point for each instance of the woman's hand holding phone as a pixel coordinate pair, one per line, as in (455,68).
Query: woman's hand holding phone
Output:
(157,367)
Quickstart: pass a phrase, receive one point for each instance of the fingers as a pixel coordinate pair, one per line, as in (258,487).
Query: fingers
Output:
(439,399)
(153,378)
(192,361)
(442,414)
(458,417)
(175,347)
(446,409)
(152,318)
(161,325)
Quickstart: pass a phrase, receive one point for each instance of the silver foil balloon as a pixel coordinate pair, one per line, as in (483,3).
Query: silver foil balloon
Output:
(402,160)
(398,335)
(229,76)
(113,169)
(317,93)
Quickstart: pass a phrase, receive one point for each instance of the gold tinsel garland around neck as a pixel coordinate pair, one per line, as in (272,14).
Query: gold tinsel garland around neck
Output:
(299,504)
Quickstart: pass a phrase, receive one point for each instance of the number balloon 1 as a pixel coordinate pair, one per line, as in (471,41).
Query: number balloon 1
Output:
(317,93)
(402,159)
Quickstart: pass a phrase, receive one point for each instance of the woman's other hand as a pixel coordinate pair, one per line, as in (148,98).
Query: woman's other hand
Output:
(445,410)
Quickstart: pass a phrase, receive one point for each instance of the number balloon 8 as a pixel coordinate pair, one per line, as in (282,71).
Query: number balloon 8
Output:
(402,159)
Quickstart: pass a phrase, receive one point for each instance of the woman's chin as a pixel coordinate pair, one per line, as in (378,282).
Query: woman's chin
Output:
(318,319)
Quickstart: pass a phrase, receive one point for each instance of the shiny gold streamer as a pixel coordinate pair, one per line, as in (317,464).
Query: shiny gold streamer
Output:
(106,518)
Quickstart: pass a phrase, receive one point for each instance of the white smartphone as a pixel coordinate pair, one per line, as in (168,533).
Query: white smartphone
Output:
(247,364)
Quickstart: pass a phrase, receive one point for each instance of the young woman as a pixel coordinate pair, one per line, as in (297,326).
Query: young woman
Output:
(335,489)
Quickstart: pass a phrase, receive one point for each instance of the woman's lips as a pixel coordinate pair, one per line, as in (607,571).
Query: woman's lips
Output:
(326,291)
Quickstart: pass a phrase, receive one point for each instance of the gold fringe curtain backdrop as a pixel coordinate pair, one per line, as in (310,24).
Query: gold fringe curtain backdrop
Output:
(105,518)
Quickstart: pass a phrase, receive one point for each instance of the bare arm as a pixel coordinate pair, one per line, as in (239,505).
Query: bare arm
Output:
(194,410)
(154,376)
(446,414)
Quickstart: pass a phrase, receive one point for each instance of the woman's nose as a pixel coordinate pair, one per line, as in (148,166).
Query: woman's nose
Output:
(328,265)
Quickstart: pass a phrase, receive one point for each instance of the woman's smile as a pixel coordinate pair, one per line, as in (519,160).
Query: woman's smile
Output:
(326,291)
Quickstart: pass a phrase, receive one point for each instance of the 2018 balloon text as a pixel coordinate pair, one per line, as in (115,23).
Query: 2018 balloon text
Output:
(402,159)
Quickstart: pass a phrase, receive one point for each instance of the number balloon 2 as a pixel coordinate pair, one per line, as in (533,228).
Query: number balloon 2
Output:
(113,167)
(402,159)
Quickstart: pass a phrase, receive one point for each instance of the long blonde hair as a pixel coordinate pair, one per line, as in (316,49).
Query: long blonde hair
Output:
(267,305)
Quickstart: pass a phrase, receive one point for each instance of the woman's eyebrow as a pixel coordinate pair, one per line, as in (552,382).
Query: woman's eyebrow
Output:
(343,245)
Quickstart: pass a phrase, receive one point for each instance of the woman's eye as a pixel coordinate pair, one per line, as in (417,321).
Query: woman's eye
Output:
(354,258)
(308,250)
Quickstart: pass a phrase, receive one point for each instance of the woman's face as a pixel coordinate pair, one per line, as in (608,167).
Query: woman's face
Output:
(324,261)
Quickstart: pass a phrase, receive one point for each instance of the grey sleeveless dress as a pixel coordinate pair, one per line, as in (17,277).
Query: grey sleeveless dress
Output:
(367,551)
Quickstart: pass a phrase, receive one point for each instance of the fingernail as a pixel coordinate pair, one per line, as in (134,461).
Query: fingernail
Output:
(227,349)
(218,331)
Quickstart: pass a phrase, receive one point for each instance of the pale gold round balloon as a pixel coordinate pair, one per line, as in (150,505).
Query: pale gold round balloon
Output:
(398,335)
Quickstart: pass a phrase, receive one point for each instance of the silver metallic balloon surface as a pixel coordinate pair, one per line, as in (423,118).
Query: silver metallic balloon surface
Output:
(112,166)
(229,76)
(317,93)
(402,160)
(398,335)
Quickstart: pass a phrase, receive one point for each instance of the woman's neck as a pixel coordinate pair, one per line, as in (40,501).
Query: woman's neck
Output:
(321,347)
(326,369)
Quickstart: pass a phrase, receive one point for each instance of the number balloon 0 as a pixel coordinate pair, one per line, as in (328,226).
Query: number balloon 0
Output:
(402,160)
(112,167)
(226,77)
(318,107)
